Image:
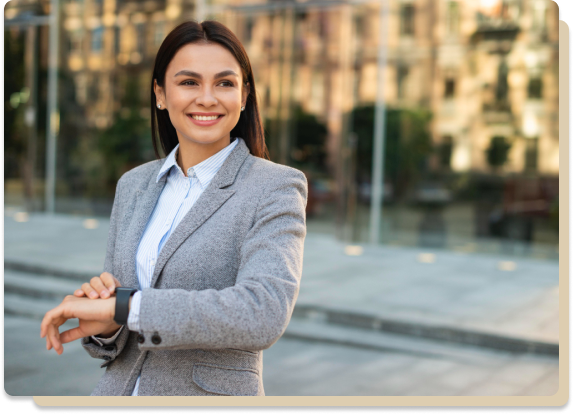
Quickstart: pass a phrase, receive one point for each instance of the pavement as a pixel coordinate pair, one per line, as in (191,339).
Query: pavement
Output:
(504,303)
(369,320)
(299,367)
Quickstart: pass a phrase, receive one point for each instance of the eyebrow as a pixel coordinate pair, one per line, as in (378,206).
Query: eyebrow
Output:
(198,75)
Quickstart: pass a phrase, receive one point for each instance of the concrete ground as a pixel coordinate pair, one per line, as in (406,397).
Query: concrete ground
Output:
(300,367)
(369,320)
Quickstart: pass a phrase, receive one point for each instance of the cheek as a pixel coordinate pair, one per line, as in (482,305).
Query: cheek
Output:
(181,99)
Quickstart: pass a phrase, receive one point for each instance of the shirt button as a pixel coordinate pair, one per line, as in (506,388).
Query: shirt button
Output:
(140,338)
(152,262)
(156,339)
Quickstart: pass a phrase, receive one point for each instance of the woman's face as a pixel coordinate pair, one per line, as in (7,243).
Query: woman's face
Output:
(203,93)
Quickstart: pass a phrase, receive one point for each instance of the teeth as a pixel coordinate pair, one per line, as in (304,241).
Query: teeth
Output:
(204,118)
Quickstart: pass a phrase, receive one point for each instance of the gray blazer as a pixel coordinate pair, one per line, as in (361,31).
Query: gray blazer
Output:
(224,285)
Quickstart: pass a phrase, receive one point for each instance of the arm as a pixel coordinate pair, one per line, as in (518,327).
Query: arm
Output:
(255,312)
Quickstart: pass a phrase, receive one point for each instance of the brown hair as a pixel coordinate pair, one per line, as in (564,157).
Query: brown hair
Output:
(250,125)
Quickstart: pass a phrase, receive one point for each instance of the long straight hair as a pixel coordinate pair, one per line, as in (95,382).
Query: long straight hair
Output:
(250,125)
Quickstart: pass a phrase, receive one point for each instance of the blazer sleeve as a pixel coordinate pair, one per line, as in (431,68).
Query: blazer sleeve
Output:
(255,312)
(111,351)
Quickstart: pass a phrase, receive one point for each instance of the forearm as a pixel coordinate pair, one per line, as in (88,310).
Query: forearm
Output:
(248,317)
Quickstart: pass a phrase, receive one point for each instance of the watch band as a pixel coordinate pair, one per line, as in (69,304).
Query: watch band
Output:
(122,296)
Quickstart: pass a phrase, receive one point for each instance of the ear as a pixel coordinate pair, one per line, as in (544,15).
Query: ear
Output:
(159,94)
(246,92)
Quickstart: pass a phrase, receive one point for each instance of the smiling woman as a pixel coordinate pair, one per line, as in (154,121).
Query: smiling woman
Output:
(205,247)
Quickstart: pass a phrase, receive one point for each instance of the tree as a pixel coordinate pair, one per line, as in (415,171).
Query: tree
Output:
(497,152)
(127,142)
(407,144)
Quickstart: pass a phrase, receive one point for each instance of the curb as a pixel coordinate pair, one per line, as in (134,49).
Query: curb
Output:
(48,271)
(436,332)
(364,321)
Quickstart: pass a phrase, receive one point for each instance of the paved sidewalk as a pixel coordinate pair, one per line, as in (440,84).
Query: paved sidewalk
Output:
(295,367)
(413,286)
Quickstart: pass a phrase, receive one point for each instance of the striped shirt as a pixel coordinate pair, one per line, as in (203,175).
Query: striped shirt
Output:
(176,199)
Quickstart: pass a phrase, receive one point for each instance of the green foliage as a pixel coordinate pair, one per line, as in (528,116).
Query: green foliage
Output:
(127,143)
(407,144)
(14,131)
(308,144)
(498,151)
(309,141)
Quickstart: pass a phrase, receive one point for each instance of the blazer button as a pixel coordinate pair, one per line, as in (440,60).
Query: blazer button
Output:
(140,338)
(156,339)
(107,358)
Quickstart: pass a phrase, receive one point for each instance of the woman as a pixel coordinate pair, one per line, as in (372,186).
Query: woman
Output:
(204,255)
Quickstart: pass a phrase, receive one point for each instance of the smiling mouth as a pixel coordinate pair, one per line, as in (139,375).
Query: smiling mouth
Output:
(205,118)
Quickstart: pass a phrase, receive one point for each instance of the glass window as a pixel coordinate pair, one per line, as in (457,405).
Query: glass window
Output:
(402,78)
(117,39)
(452,22)
(450,88)
(535,88)
(75,41)
(140,33)
(159,34)
(407,19)
(97,39)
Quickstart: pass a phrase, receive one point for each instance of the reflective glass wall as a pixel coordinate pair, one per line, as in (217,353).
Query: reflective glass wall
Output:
(468,107)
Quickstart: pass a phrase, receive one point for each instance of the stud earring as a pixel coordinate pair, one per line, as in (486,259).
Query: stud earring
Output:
(242,108)
(159,106)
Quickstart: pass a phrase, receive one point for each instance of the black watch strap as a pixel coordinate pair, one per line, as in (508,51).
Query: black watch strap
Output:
(122,296)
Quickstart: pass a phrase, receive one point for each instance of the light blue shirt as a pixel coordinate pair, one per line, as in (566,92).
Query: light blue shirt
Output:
(176,199)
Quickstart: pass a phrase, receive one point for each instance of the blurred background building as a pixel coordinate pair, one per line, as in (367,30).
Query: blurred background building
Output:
(470,95)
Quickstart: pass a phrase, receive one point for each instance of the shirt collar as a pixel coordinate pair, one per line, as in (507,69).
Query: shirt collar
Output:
(204,171)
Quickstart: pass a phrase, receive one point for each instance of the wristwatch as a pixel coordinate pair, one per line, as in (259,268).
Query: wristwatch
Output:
(122,296)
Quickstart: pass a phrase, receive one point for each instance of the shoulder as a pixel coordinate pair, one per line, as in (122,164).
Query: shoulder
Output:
(140,174)
(272,183)
(269,174)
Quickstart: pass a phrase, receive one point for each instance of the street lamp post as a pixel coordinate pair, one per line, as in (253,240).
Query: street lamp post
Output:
(53,119)
(379,130)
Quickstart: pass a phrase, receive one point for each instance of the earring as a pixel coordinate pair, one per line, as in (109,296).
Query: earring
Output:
(242,108)
(159,106)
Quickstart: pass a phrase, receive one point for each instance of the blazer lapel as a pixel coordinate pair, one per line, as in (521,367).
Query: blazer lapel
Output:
(208,203)
(144,205)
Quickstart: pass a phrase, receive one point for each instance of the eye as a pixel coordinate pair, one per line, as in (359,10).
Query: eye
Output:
(186,82)
(229,83)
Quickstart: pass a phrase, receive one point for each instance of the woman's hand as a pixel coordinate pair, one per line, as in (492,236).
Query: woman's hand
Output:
(99,287)
(95,317)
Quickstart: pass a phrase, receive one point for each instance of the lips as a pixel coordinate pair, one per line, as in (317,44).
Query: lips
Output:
(205,122)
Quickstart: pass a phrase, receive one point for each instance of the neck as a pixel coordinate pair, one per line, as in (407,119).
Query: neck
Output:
(192,153)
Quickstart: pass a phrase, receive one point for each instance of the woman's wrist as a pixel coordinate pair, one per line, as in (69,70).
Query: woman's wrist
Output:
(113,326)
(111,332)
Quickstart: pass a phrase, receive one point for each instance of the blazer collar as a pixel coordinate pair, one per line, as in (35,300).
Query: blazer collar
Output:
(210,201)
(224,177)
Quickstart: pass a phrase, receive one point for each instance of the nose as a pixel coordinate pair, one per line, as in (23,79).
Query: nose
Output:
(206,97)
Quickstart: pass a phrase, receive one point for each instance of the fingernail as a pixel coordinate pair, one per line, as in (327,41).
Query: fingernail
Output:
(93,295)
(104,294)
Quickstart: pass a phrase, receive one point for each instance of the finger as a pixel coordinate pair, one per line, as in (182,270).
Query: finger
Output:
(117,283)
(89,291)
(50,318)
(45,322)
(99,287)
(79,293)
(108,281)
(71,335)
(54,336)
